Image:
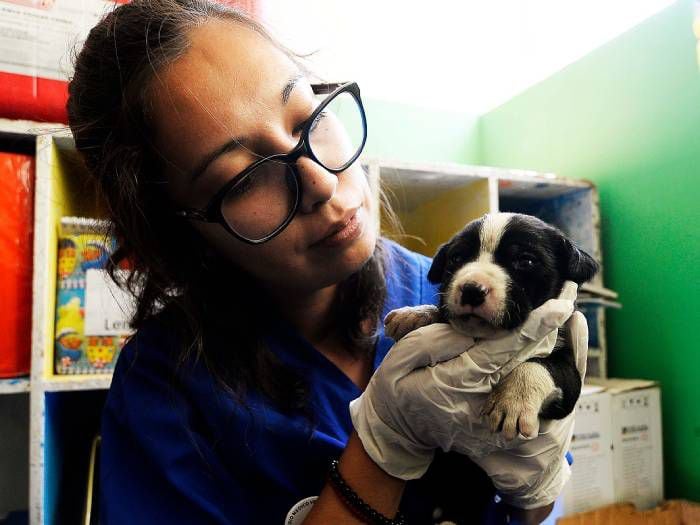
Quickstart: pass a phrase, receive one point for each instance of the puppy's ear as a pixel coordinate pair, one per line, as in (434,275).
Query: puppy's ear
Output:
(439,263)
(581,267)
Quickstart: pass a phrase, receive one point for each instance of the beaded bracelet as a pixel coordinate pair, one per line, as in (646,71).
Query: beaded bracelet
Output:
(356,503)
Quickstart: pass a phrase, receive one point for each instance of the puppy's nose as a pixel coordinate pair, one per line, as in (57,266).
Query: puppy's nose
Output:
(473,294)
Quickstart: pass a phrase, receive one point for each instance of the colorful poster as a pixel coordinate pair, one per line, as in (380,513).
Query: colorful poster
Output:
(92,313)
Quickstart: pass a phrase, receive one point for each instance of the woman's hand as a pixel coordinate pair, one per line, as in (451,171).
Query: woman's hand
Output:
(533,473)
(418,399)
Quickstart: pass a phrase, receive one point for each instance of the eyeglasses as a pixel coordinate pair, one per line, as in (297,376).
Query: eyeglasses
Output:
(258,203)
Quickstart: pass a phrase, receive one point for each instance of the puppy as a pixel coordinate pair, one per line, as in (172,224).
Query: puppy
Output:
(492,274)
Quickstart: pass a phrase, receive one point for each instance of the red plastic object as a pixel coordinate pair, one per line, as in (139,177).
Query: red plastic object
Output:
(16,243)
(25,97)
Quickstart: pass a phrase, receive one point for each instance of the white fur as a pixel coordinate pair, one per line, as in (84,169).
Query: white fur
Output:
(490,276)
(492,229)
(518,399)
(485,273)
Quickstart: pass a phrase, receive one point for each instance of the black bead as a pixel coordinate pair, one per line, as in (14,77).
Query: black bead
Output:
(356,503)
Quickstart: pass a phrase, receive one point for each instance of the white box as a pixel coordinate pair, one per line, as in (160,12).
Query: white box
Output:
(616,446)
(591,483)
(637,456)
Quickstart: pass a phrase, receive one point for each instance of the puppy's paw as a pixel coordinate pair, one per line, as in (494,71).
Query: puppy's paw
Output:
(514,404)
(512,412)
(401,321)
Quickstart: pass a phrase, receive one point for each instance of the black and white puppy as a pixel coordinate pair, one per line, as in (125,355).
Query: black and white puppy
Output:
(492,274)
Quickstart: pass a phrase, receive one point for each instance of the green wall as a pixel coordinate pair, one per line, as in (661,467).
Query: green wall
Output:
(627,116)
(404,132)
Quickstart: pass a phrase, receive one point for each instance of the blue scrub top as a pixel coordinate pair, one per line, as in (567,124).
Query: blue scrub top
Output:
(185,453)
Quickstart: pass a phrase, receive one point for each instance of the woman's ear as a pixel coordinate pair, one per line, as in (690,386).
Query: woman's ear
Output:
(581,267)
(437,269)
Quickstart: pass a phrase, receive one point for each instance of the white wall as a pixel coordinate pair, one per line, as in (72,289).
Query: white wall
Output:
(473,55)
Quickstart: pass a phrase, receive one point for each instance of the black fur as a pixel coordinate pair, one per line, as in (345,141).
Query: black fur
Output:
(538,258)
(582,266)
(561,366)
(463,247)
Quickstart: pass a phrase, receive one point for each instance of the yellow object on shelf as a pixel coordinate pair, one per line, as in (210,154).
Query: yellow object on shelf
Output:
(82,291)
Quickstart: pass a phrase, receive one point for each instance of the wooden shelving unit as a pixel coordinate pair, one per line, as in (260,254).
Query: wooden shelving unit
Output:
(432,201)
(58,411)
(19,385)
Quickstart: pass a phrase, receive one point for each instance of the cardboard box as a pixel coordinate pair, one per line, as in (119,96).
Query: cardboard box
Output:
(616,446)
(591,483)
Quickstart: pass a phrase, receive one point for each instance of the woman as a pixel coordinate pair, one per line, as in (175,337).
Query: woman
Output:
(260,281)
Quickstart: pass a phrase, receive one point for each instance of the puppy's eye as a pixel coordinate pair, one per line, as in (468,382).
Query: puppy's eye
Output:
(524,262)
(456,258)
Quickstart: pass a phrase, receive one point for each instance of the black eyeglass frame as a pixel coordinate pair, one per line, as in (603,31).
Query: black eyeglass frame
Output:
(212,213)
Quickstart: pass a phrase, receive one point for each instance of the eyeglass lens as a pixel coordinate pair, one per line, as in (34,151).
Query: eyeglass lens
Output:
(337,132)
(262,201)
(265,199)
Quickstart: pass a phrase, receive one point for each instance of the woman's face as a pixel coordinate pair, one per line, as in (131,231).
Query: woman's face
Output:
(230,83)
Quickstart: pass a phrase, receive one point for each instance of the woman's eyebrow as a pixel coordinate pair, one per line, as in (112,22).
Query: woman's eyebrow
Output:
(211,157)
(234,143)
(289,86)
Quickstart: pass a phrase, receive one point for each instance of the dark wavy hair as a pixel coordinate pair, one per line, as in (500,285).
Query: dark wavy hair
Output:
(216,310)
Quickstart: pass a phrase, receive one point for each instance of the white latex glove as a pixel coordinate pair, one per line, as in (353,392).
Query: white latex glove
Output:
(532,473)
(429,390)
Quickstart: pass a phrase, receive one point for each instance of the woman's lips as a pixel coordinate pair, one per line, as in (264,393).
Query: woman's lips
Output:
(349,231)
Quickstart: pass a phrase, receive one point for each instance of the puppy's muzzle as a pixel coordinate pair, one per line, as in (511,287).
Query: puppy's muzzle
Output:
(473,294)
